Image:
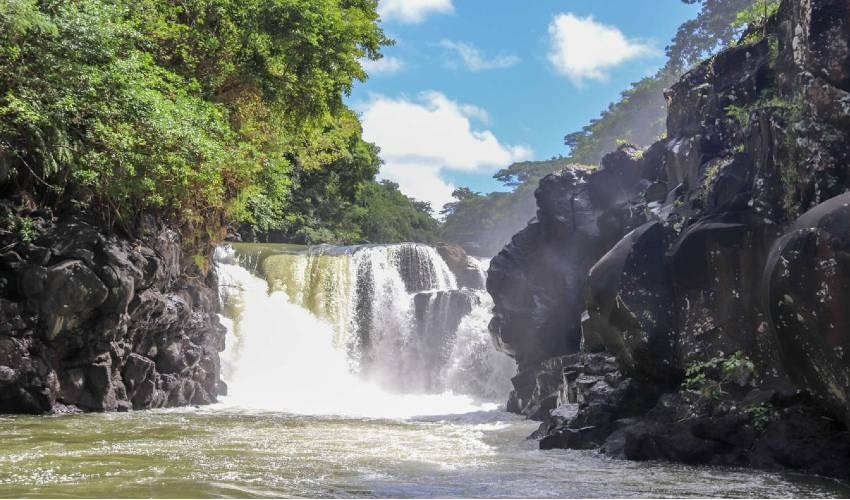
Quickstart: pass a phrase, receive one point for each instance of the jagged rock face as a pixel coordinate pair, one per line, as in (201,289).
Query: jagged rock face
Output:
(538,280)
(63,295)
(696,249)
(94,322)
(537,290)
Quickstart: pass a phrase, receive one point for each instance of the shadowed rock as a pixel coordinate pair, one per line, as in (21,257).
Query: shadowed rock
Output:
(695,265)
(807,291)
(94,322)
(629,296)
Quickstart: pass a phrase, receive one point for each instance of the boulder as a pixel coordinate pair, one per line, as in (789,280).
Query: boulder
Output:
(629,299)
(64,295)
(136,371)
(468,274)
(715,266)
(807,293)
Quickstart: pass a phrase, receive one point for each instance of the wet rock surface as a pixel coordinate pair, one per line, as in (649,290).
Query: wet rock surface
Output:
(90,321)
(688,302)
(467,274)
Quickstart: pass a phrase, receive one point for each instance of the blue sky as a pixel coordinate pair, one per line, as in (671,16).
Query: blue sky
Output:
(473,85)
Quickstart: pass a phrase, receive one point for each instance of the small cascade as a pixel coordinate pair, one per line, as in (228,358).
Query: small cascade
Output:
(437,317)
(480,265)
(387,316)
(475,366)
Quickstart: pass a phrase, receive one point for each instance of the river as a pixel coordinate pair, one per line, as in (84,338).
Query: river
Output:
(352,372)
(222,452)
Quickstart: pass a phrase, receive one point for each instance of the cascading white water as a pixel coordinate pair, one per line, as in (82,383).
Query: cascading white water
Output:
(480,265)
(369,331)
(475,366)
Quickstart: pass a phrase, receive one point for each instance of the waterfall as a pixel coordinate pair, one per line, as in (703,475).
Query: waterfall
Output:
(374,330)
(475,366)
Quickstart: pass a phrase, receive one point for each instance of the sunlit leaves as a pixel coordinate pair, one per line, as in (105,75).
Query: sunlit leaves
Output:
(207,111)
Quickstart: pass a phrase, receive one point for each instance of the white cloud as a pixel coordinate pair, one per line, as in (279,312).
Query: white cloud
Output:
(383,66)
(422,138)
(584,49)
(474,60)
(412,11)
(420,181)
(475,113)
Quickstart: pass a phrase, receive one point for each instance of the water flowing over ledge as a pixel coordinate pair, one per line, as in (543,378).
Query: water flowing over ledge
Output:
(377,331)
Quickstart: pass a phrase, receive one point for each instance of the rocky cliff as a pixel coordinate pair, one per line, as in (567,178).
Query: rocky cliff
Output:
(95,322)
(688,302)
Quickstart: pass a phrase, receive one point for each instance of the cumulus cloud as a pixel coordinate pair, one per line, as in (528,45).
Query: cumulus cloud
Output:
(475,113)
(420,181)
(383,66)
(584,49)
(412,11)
(474,60)
(422,138)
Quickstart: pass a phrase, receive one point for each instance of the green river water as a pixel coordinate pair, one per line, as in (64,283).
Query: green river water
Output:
(222,452)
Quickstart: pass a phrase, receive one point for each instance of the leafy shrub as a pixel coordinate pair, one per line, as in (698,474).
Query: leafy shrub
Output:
(709,377)
(23,226)
(761,415)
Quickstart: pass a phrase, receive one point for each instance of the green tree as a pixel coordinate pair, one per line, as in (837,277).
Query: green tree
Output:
(388,216)
(712,29)
(208,112)
(484,223)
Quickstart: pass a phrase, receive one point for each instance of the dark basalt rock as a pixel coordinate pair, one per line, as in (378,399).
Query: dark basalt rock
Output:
(691,262)
(629,299)
(527,322)
(64,295)
(468,276)
(797,437)
(90,321)
(807,291)
(537,281)
(714,270)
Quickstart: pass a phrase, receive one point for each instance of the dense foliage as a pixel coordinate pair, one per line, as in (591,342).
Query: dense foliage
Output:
(638,118)
(208,112)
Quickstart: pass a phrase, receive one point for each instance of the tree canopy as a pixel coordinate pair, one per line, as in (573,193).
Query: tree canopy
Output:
(212,113)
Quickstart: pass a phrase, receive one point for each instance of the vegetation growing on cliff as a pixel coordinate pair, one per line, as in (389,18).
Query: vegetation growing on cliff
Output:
(639,118)
(208,112)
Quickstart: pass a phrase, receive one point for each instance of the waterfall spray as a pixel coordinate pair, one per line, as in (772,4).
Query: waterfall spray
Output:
(379,330)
